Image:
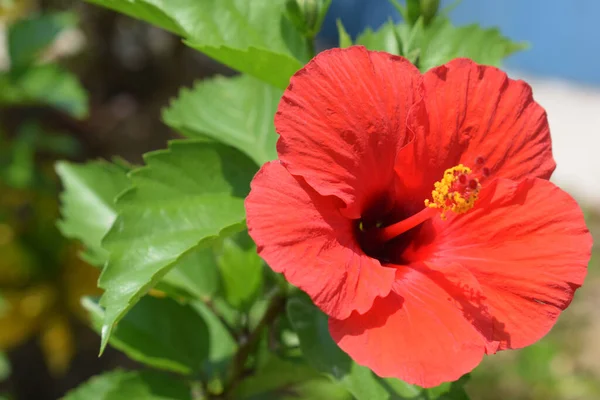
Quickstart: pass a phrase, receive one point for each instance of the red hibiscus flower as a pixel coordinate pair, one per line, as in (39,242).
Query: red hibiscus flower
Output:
(416,211)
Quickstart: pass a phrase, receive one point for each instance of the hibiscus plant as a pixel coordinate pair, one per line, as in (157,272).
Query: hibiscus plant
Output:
(367,222)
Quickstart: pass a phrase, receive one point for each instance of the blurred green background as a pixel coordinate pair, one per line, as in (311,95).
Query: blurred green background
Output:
(79,82)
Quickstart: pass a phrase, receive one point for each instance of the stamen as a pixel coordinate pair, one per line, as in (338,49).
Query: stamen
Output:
(451,193)
(457,191)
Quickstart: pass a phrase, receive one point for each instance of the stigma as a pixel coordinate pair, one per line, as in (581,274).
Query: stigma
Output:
(457,191)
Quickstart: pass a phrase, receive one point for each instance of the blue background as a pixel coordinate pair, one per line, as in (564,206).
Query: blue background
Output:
(563,34)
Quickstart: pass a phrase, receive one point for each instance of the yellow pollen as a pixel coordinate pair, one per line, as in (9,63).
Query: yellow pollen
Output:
(449,194)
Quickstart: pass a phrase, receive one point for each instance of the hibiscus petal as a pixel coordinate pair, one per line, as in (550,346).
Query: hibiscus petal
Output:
(304,236)
(424,332)
(342,119)
(470,111)
(528,245)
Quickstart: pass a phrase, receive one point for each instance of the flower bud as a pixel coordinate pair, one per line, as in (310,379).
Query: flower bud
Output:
(307,15)
(428,9)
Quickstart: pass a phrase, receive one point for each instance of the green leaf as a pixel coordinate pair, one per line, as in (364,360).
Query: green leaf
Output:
(402,10)
(222,345)
(21,171)
(384,39)
(4,367)
(46,84)
(436,44)
(413,11)
(88,203)
(57,143)
(277,373)
(345,39)
(449,391)
(534,363)
(401,390)
(237,111)
(250,36)
(324,355)
(28,38)
(443,42)
(128,385)
(241,270)
(196,272)
(184,198)
(160,333)
(150,11)
(288,378)
(411,38)
(88,211)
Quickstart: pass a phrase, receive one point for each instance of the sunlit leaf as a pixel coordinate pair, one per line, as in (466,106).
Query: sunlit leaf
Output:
(428,46)
(182,199)
(383,39)
(411,38)
(250,36)
(345,39)
(237,111)
(443,42)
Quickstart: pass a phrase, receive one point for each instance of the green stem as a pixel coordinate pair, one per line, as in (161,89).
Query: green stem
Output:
(276,306)
(208,303)
(310,45)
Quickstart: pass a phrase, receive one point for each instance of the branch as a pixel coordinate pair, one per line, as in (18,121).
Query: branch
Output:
(276,305)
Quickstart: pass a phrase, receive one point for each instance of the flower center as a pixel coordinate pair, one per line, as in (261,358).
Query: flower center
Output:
(456,192)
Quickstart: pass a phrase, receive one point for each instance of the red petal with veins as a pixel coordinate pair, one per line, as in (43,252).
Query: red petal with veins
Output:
(470,111)
(342,120)
(432,328)
(528,246)
(304,236)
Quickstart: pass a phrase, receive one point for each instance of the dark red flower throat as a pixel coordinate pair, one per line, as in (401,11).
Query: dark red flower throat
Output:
(384,231)
(374,231)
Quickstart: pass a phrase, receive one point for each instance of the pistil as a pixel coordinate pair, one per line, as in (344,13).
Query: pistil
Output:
(456,192)
(392,231)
